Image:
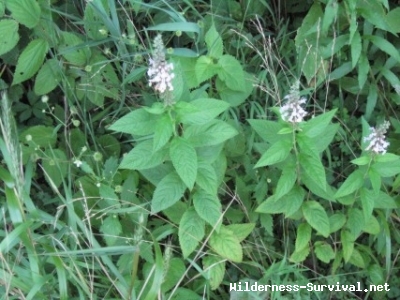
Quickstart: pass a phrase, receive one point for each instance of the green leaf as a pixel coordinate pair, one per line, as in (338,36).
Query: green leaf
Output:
(226,244)
(9,36)
(309,182)
(26,12)
(316,216)
(372,226)
(208,207)
(177,26)
(267,130)
(55,166)
(384,45)
(207,178)
(347,240)
(111,229)
(286,181)
(392,19)
(276,153)
(73,49)
(357,259)
(214,43)
(184,160)
(241,231)
(330,15)
(205,68)
(362,160)
(387,157)
(191,231)
(387,169)
(168,191)
(336,222)
(367,201)
(384,201)
(300,256)
(40,135)
(137,122)
(231,72)
(356,48)
(287,204)
(352,183)
(202,111)
(313,167)
(303,236)
(212,133)
(318,125)
(324,251)
(175,272)
(164,128)
(371,100)
(142,157)
(363,70)
(30,60)
(235,98)
(272,206)
(48,77)
(214,268)
(355,222)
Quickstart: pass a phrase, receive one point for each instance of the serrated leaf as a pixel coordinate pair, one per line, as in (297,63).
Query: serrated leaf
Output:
(226,244)
(324,251)
(73,49)
(384,45)
(184,160)
(55,166)
(175,271)
(208,207)
(168,191)
(191,231)
(367,202)
(357,259)
(142,157)
(164,128)
(207,178)
(355,222)
(336,222)
(202,111)
(48,77)
(26,12)
(303,236)
(212,133)
(235,98)
(316,216)
(231,72)
(9,36)
(387,169)
(137,122)
(384,201)
(352,183)
(214,267)
(347,240)
(387,157)
(362,160)
(205,68)
(316,126)
(372,226)
(286,181)
(312,166)
(111,229)
(276,153)
(300,256)
(267,130)
(241,231)
(214,43)
(30,60)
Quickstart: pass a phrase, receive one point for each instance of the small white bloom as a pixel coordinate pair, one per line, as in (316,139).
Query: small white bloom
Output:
(377,139)
(78,162)
(292,111)
(45,98)
(160,72)
(28,138)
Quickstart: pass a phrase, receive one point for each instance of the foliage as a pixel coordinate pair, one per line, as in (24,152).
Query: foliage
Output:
(160,149)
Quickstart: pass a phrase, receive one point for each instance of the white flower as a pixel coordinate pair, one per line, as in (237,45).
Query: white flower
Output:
(160,72)
(78,162)
(292,111)
(377,139)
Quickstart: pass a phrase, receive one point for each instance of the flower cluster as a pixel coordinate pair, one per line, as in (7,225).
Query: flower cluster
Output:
(377,139)
(292,111)
(160,72)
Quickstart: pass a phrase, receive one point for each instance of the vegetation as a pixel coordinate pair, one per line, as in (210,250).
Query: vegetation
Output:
(172,149)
